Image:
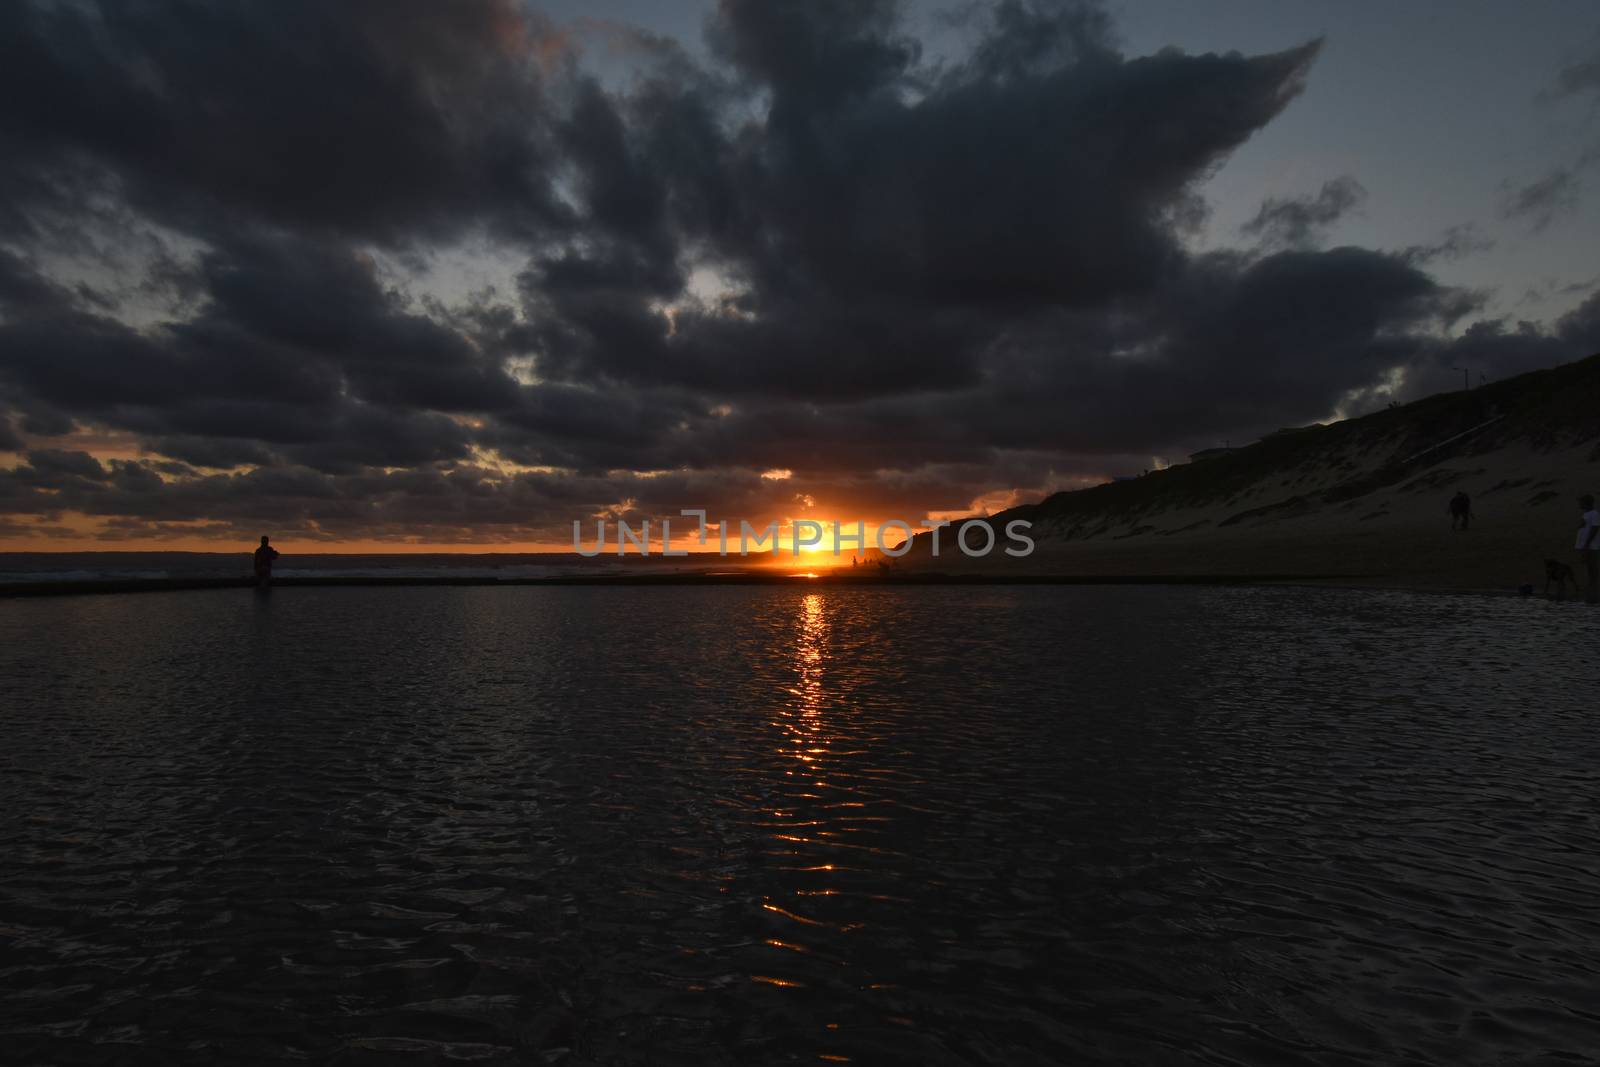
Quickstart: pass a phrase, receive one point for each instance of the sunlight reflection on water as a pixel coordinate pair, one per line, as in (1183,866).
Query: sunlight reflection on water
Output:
(724,825)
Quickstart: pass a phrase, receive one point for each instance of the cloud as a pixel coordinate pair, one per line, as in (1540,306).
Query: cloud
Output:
(1457,242)
(232,236)
(374,119)
(1558,192)
(1298,222)
(1578,78)
(1542,201)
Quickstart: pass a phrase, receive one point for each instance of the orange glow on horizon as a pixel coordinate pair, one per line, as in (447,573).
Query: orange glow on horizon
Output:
(287,543)
(75,532)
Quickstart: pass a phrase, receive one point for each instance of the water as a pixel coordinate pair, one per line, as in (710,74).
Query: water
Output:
(769,825)
(24,567)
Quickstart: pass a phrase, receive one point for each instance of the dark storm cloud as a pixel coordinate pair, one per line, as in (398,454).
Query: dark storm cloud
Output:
(1501,347)
(908,285)
(298,354)
(23,291)
(813,57)
(1205,355)
(375,118)
(322,306)
(892,228)
(53,468)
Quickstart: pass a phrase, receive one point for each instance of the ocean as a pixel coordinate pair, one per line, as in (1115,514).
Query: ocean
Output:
(20,567)
(731,825)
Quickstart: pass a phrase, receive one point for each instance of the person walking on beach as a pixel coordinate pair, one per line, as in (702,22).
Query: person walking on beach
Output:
(1460,511)
(1588,546)
(264,557)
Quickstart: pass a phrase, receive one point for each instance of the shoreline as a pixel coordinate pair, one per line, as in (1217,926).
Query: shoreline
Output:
(1367,582)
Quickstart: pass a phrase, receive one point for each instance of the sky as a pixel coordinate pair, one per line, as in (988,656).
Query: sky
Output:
(405,275)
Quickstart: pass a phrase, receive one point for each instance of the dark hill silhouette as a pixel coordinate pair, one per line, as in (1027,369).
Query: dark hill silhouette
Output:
(1364,498)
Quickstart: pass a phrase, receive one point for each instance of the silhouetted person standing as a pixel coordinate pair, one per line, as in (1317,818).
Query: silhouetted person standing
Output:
(264,557)
(1588,546)
(1460,511)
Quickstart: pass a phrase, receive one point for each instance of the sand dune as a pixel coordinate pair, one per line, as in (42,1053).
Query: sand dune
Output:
(1363,500)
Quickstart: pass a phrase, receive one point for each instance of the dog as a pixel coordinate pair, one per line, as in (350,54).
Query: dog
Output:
(1561,574)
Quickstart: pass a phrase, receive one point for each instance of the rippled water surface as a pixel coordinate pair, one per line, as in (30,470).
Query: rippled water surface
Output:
(765,825)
